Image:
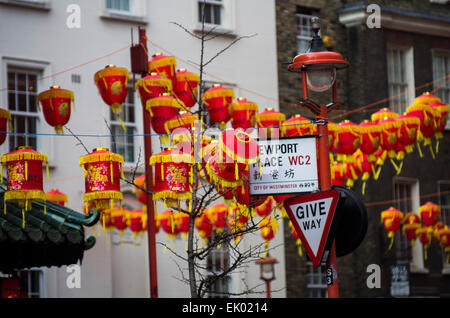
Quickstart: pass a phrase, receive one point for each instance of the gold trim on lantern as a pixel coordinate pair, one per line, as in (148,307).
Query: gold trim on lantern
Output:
(164,61)
(112,71)
(103,195)
(270,116)
(220,181)
(172,157)
(169,194)
(161,82)
(422,108)
(179,121)
(56,93)
(237,158)
(426,98)
(224,92)
(96,157)
(248,106)
(188,76)
(5,114)
(24,195)
(161,101)
(15,156)
(56,197)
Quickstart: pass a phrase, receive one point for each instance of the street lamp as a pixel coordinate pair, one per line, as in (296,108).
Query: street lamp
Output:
(267,271)
(318,70)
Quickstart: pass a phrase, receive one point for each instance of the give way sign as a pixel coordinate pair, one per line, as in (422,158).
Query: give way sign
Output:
(311,216)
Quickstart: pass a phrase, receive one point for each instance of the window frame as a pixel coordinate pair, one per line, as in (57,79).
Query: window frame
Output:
(416,263)
(228,18)
(409,92)
(316,272)
(445,265)
(446,54)
(224,282)
(299,36)
(132,11)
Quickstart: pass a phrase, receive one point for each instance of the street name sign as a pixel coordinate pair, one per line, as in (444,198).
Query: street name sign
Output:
(288,166)
(312,215)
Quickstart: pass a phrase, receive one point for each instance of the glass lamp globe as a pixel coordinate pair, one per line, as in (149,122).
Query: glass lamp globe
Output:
(319,78)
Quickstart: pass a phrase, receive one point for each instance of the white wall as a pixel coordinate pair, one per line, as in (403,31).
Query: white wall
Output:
(42,36)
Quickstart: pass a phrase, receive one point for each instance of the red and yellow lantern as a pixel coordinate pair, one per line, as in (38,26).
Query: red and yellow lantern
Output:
(187,87)
(164,66)
(56,106)
(169,225)
(181,125)
(425,234)
(332,128)
(118,218)
(265,208)
(5,118)
(102,173)
(411,223)
(441,113)
(363,164)
(407,135)
(298,241)
(268,229)
(173,177)
(389,136)
(112,83)
(140,194)
(204,226)
(182,220)
(370,135)
(338,174)
(218,101)
(352,173)
(347,140)
(298,126)
(243,113)
(444,235)
(269,123)
(426,114)
(56,196)
(437,231)
(137,221)
(25,181)
(218,215)
(162,109)
(391,219)
(429,213)
(384,113)
(152,86)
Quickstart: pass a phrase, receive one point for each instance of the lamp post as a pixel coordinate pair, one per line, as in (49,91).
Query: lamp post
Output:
(318,70)
(267,271)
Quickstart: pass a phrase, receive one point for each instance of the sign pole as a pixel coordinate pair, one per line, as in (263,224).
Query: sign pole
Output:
(325,185)
(151,228)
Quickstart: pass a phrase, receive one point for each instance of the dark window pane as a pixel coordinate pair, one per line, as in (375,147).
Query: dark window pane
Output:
(22,102)
(11,81)
(131,118)
(217,12)
(32,103)
(11,101)
(21,82)
(32,82)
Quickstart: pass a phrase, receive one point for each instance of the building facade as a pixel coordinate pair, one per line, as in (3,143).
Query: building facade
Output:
(394,57)
(65,43)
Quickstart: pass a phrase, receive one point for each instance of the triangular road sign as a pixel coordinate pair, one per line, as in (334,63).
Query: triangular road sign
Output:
(311,216)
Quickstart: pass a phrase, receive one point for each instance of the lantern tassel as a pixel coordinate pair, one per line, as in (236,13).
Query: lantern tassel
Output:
(1,172)
(420,150)
(432,152)
(26,171)
(111,171)
(364,187)
(236,171)
(4,206)
(391,236)
(23,218)
(437,146)
(46,171)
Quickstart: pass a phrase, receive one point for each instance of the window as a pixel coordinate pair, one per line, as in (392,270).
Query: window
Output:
(31,283)
(400,78)
(122,6)
(23,105)
(304,31)
(316,281)
(212,9)
(216,263)
(406,197)
(123,142)
(441,68)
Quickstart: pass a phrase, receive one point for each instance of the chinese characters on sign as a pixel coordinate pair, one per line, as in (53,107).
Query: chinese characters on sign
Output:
(288,165)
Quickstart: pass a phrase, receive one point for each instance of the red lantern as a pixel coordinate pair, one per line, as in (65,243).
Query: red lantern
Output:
(106,219)
(347,140)
(391,219)
(271,119)
(5,118)
(237,222)
(411,223)
(363,164)
(407,136)
(25,184)
(338,174)
(437,231)
(332,128)
(298,126)
(218,215)
(162,109)
(382,114)
(444,235)
(390,131)
(265,208)
(102,173)
(426,114)
(140,194)
(369,138)
(168,224)
(352,173)
(441,115)
(268,230)
(152,86)
(243,113)
(173,176)
(429,213)
(187,87)
(119,220)
(204,226)
(136,221)
(218,103)
(56,196)
(164,66)
(184,122)
(112,84)
(182,221)
(56,105)
(424,234)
